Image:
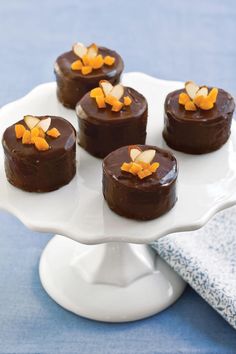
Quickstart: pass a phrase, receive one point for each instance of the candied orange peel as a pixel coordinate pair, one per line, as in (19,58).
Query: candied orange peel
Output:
(89,58)
(36,132)
(197,97)
(141,164)
(107,94)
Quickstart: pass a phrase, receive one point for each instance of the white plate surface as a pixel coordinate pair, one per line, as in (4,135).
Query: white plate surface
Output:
(206,183)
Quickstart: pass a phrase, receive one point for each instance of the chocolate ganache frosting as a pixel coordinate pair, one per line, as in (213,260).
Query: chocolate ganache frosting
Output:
(72,85)
(142,199)
(41,171)
(199,131)
(101,130)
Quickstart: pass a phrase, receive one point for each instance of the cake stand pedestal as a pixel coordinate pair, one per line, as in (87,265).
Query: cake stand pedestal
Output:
(112,282)
(102,267)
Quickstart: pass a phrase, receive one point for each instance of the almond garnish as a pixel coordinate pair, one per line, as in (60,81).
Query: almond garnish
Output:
(41,144)
(54,133)
(79,49)
(26,139)
(117,91)
(108,60)
(146,156)
(191,89)
(77,65)
(31,121)
(106,87)
(203,91)
(92,51)
(19,130)
(44,124)
(134,152)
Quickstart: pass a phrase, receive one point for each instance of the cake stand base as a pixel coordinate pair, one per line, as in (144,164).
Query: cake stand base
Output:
(113,282)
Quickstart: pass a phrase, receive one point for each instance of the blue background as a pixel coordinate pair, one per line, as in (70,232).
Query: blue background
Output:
(176,40)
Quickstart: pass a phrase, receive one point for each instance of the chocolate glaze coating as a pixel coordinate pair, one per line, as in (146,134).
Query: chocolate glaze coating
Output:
(102,131)
(72,85)
(41,171)
(145,199)
(197,132)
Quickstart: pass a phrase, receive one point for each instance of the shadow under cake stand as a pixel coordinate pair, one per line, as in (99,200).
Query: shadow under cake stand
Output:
(100,265)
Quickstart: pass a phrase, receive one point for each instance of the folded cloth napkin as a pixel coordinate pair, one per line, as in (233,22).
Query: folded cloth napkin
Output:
(206,259)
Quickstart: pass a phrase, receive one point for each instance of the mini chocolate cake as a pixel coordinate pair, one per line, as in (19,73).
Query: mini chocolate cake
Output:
(80,70)
(40,153)
(144,188)
(104,127)
(198,124)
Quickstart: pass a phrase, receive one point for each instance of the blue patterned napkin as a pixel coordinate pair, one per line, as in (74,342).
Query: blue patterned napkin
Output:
(206,259)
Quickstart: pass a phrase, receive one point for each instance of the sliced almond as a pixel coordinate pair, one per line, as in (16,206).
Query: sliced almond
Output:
(191,89)
(79,49)
(106,87)
(134,153)
(146,156)
(44,124)
(92,51)
(117,91)
(31,121)
(203,91)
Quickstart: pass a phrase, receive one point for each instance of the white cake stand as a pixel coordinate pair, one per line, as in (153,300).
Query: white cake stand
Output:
(119,278)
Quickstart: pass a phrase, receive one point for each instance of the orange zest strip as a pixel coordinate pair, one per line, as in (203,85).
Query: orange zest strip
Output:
(127,101)
(100,101)
(54,133)
(144,173)
(41,144)
(108,60)
(140,169)
(110,100)
(26,139)
(199,99)
(98,62)
(190,106)
(213,94)
(117,105)
(206,103)
(77,65)
(85,60)
(96,92)
(19,130)
(86,70)
(183,98)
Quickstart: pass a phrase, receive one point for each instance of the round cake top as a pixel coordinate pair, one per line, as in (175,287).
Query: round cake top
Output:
(64,61)
(224,105)
(165,174)
(87,108)
(57,146)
